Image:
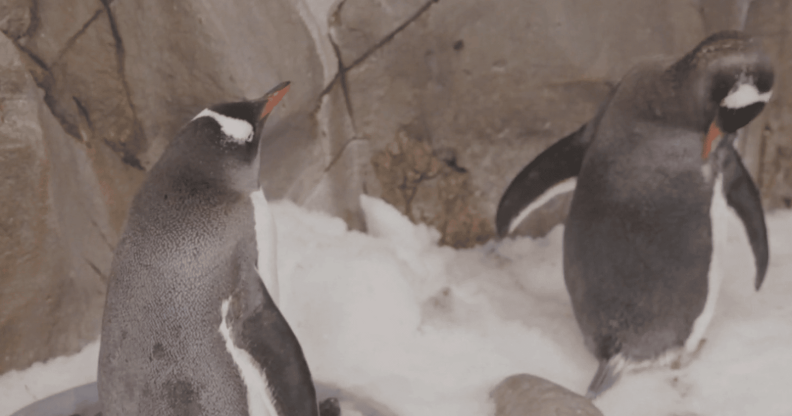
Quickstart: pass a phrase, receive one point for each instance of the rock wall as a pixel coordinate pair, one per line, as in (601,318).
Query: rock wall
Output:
(432,105)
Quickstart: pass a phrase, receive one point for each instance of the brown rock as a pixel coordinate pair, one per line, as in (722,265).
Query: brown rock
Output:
(430,190)
(724,14)
(90,99)
(767,142)
(524,395)
(15,17)
(58,23)
(180,57)
(357,26)
(54,250)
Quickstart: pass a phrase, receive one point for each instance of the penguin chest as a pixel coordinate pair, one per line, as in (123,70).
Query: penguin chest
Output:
(719,212)
(266,237)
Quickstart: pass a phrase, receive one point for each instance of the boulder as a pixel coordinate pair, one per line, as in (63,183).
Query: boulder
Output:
(524,394)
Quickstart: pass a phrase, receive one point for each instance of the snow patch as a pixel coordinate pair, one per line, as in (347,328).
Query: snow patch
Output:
(429,330)
(21,388)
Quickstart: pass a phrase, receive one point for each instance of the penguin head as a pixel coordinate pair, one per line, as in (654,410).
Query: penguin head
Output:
(733,80)
(226,137)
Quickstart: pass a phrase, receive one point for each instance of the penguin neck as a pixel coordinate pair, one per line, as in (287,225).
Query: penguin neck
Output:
(693,106)
(666,98)
(195,157)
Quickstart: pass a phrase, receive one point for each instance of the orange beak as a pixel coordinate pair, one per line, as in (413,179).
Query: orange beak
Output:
(274,99)
(713,133)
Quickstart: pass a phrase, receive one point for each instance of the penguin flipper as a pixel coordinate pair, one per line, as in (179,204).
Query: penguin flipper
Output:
(260,329)
(608,373)
(743,196)
(557,163)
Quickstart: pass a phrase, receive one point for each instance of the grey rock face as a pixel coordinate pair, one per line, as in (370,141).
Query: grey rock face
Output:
(15,17)
(524,394)
(54,245)
(767,144)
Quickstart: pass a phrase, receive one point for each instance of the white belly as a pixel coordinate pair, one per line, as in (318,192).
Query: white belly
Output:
(259,396)
(266,237)
(719,211)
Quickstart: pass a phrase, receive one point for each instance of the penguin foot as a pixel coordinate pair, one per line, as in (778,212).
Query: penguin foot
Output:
(608,373)
(687,357)
(329,407)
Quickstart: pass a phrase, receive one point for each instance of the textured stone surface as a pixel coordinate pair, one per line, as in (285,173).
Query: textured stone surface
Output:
(524,394)
(16,17)
(357,26)
(767,142)
(54,250)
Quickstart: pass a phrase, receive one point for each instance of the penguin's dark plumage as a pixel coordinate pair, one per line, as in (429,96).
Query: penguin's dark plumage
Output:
(190,328)
(641,238)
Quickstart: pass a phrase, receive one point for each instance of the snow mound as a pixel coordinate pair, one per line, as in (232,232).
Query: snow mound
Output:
(429,330)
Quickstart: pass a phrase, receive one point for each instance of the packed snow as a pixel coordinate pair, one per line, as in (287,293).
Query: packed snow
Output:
(429,330)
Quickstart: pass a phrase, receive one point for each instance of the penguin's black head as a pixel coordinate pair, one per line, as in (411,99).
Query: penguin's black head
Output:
(732,79)
(238,123)
(224,138)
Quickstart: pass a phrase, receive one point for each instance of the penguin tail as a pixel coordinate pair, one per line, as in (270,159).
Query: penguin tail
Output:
(608,373)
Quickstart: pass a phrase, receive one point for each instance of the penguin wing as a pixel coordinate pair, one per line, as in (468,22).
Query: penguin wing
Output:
(743,196)
(261,330)
(543,178)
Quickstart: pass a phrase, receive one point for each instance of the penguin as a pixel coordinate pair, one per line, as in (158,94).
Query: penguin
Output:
(190,326)
(653,174)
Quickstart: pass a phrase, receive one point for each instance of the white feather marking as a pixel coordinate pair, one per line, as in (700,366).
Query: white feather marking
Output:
(558,189)
(266,237)
(259,396)
(719,211)
(744,95)
(240,131)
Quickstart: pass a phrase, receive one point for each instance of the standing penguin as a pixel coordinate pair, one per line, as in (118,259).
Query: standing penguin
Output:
(189,326)
(642,237)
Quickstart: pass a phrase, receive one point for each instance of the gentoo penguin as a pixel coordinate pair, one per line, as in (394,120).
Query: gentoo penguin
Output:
(189,326)
(646,219)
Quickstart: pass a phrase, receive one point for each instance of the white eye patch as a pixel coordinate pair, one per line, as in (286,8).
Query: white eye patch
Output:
(239,131)
(743,95)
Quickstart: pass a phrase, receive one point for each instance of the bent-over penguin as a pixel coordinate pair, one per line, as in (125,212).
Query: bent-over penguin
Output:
(189,326)
(646,220)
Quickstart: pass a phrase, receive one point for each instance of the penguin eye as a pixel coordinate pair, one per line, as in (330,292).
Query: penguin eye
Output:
(721,85)
(764,81)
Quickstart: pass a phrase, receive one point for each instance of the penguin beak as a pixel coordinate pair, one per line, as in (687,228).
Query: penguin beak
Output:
(272,98)
(713,133)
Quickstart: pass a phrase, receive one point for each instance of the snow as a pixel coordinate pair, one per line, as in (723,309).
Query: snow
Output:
(41,380)
(429,330)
